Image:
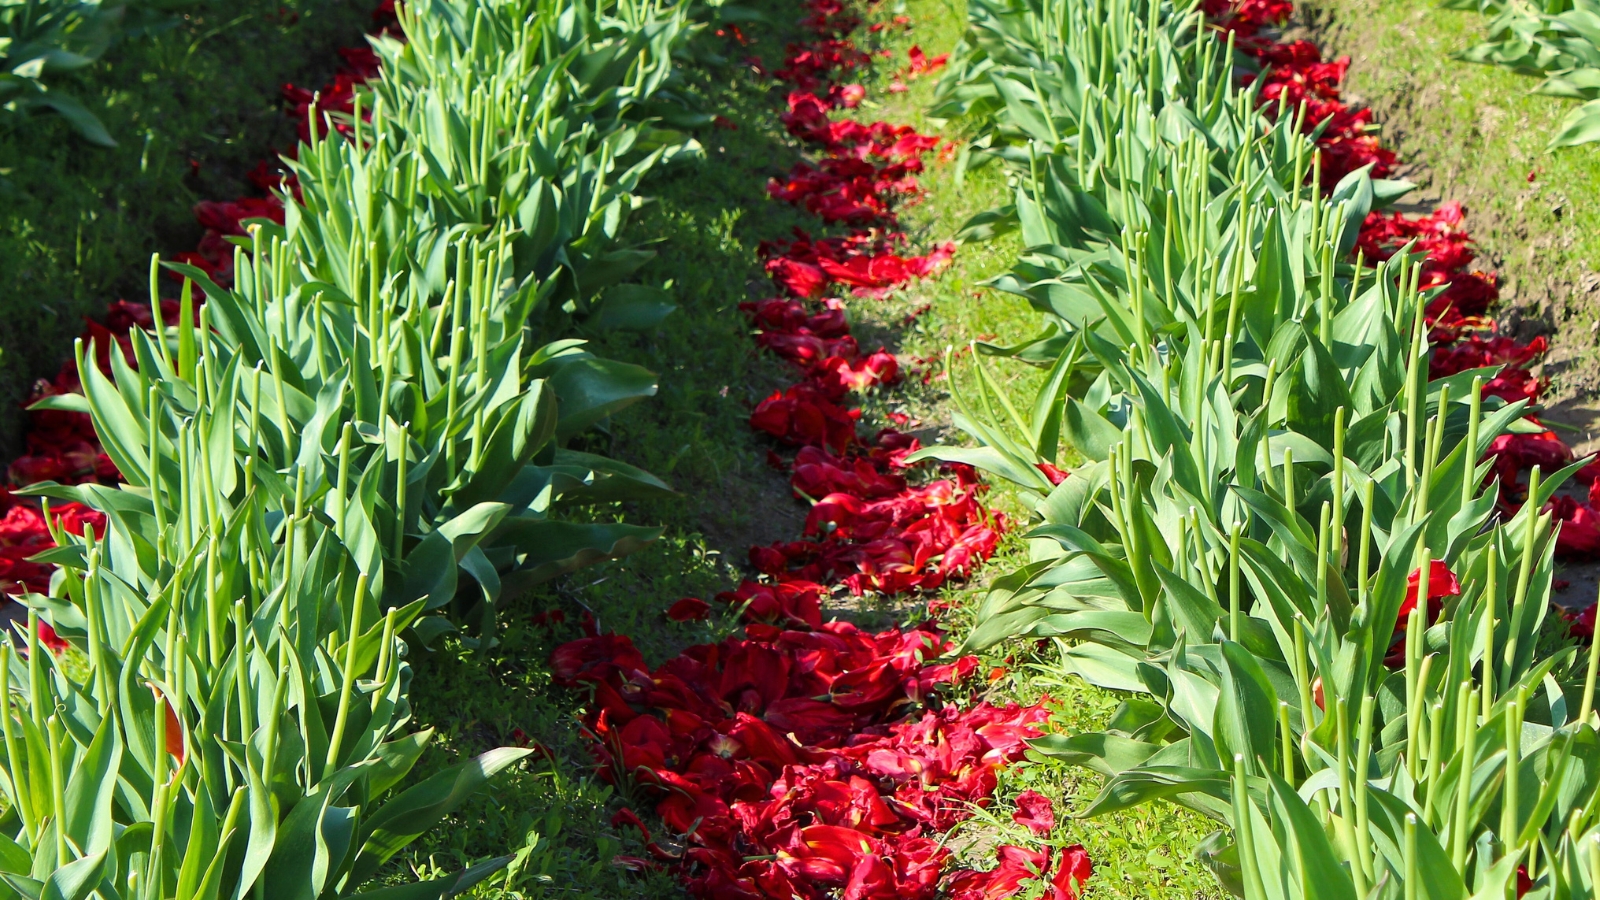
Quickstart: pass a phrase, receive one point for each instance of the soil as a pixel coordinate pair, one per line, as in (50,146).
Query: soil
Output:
(1518,221)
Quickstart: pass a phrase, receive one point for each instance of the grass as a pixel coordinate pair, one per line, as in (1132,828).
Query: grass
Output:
(709,221)
(1475,133)
(193,108)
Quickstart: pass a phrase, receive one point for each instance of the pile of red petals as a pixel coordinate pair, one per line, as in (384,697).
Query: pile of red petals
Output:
(1442,583)
(807,758)
(782,760)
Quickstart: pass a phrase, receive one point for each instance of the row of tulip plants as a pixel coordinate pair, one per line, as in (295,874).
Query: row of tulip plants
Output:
(350,429)
(1313,568)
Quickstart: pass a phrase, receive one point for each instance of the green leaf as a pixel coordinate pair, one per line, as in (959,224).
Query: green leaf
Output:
(1088,431)
(1103,666)
(589,389)
(76,403)
(13,857)
(524,429)
(1108,754)
(631,307)
(1245,721)
(1579,126)
(1139,786)
(92,788)
(414,811)
(430,567)
(75,880)
(438,888)
(84,122)
(1316,390)
(1305,845)
(552,548)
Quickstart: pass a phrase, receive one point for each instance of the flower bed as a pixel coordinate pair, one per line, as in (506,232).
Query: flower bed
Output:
(1288,541)
(1462,333)
(341,444)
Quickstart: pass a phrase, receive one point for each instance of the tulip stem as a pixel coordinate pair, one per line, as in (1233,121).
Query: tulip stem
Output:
(1469,740)
(1337,544)
(1302,662)
(1413,879)
(1435,768)
(1510,815)
(1587,707)
(1530,531)
(1286,734)
(1255,888)
(1364,557)
(1235,602)
(1474,419)
(1363,794)
(347,686)
(1491,605)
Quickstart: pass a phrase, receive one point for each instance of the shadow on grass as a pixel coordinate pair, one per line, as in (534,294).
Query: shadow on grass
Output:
(193,109)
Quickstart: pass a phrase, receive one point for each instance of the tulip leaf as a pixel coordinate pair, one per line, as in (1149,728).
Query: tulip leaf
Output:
(438,888)
(631,307)
(1247,707)
(1108,754)
(14,858)
(75,880)
(1103,666)
(550,548)
(92,788)
(590,389)
(1142,785)
(1579,126)
(77,115)
(415,810)
(1111,626)
(431,566)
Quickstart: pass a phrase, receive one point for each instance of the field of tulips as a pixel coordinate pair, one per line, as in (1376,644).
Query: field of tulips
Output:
(1267,479)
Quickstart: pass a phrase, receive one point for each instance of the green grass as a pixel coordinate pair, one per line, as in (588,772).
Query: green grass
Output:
(709,221)
(193,108)
(1478,135)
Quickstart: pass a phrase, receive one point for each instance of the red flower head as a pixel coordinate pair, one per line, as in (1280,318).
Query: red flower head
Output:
(1073,868)
(1579,538)
(593,659)
(689,609)
(1055,475)
(1035,811)
(1582,626)
(1442,583)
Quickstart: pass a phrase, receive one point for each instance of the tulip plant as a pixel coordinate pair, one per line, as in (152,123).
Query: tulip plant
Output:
(362,441)
(1280,540)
